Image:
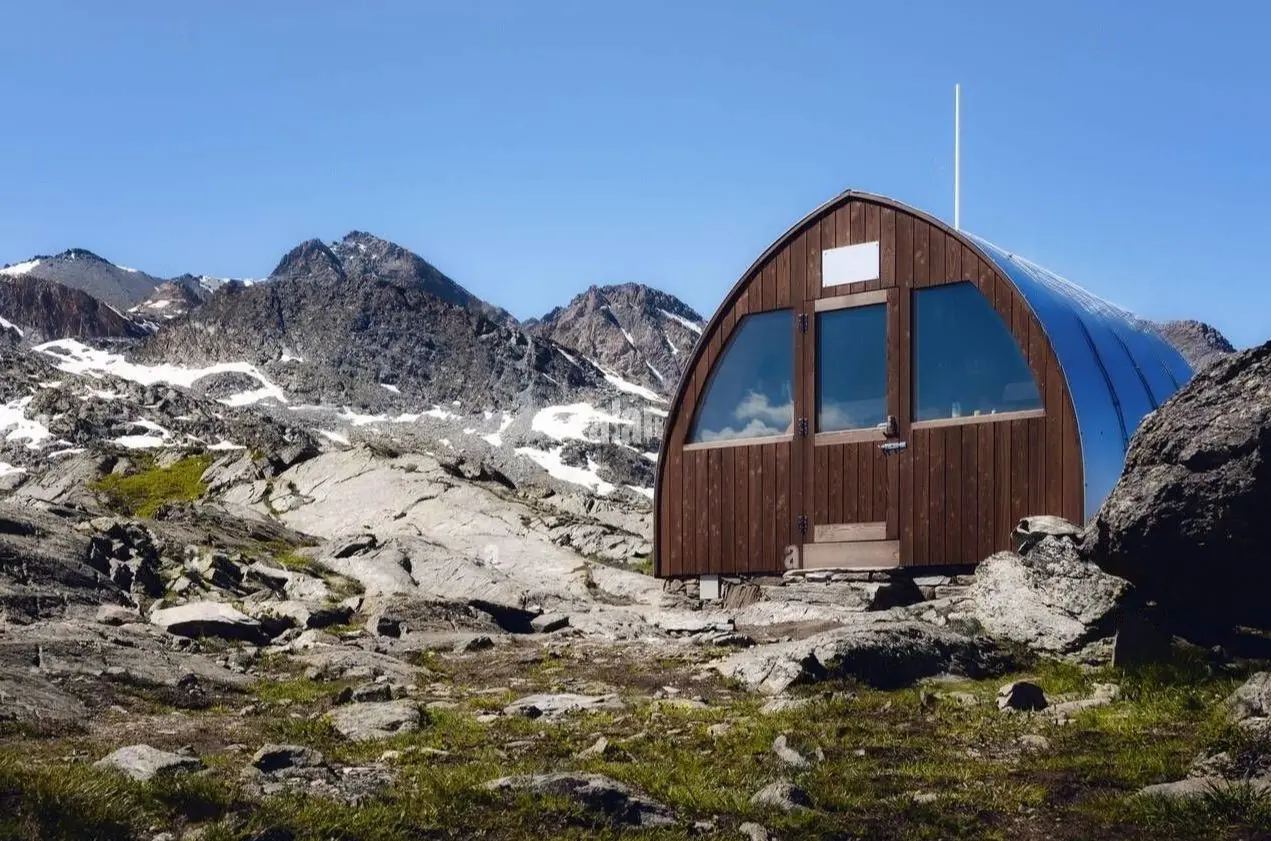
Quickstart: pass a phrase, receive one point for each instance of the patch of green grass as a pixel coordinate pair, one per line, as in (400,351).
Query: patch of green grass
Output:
(79,801)
(143,493)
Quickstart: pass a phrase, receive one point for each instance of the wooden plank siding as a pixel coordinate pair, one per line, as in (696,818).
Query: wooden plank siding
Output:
(951,497)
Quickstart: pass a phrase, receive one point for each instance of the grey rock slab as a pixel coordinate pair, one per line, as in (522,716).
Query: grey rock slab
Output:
(207,619)
(30,697)
(1193,788)
(364,722)
(143,763)
(882,653)
(552,706)
(549,622)
(1050,600)
(782,796)
(594,792)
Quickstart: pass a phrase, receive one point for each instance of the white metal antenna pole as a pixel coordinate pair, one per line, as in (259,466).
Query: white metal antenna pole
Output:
(957,157)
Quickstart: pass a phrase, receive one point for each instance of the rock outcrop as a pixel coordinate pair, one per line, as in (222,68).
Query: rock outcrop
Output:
(1049,599)
(1187,523)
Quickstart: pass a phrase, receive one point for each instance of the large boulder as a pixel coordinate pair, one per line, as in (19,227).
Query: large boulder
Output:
(1187,523)
(884,653)
(208,619)
(1050,599)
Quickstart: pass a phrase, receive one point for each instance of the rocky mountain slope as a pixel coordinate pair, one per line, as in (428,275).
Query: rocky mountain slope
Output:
(81,269)
(641,334)
(35,310)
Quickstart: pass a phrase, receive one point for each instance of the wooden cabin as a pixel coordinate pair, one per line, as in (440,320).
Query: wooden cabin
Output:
(880,390)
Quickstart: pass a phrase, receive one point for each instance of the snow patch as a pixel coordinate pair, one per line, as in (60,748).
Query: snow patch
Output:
(695,327)
(571,421)
(642,491)
(77,358)
(390,387)
(627,336)
(9,325)
(655,371)
(334,436)
(141,442)
(14,423)
(226,445)
(629,387)
(558,469)
(7,469)
(674,350)
(20,268)
(288,356)
(653,457)
(495,439)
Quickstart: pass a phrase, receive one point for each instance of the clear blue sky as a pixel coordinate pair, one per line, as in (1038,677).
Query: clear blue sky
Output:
(530,149)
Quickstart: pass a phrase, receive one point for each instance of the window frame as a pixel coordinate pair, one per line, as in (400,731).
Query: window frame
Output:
(854,300)
(781,438)
(964,420)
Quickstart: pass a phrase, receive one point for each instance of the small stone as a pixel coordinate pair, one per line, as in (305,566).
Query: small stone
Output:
(789,755)
(113,614)
(467,646)
(1021,695)
(753,832)
(595,793)
(960,699)
(1034,742)
(924,797)
(781,795)
(272,758)
(366,721)
(717,730)
(598,749)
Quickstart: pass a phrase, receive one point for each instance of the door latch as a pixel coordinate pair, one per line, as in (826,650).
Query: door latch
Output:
(803,427)
(893,446)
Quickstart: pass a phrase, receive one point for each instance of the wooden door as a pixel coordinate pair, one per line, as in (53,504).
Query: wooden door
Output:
(851,432)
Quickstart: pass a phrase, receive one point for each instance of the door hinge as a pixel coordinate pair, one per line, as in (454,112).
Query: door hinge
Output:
(803,427)
(802,522)
(803,322)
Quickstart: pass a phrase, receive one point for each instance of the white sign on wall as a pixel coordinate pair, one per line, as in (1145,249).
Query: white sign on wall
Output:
(849,264)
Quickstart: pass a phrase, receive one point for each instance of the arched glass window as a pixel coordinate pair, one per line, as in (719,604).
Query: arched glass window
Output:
(750,394)
(966,362)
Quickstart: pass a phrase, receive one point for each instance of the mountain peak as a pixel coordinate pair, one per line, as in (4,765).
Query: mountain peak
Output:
(635,331)
(312,259)
(82,254)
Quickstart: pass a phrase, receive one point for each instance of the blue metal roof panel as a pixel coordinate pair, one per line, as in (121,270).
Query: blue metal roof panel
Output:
(1118,368)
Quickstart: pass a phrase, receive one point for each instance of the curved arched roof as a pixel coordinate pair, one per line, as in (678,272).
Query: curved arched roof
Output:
(1118,367)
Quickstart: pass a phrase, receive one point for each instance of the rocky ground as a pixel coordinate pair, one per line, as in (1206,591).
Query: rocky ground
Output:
(374,645)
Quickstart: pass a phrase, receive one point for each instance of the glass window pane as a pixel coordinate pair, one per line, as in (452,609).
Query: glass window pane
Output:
(851,368)
(750,393)
(966,362)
